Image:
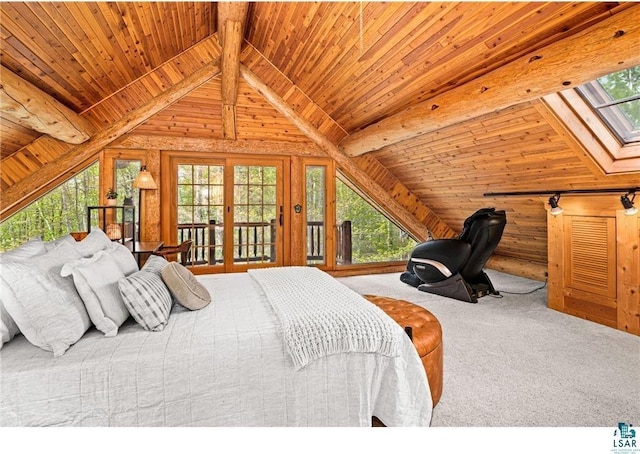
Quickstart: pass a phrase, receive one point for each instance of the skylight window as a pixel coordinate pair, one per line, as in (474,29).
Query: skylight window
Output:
(616,99)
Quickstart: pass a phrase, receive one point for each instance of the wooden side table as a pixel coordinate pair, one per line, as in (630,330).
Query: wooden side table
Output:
(140,248)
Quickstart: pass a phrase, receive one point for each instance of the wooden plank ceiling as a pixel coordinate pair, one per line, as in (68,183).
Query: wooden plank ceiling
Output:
(341,66)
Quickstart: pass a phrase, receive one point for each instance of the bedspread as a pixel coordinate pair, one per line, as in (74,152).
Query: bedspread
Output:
(224,365)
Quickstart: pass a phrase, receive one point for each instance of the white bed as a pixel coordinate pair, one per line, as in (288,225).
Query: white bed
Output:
(224,365)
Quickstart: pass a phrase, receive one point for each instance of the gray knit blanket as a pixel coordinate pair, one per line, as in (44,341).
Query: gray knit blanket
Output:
(320,316)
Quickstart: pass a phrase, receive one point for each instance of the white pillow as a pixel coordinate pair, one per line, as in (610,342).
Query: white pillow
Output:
(95,241)
(32,248)
(123,257)
(63,239)
(147,299)
(96,280)
(45,305)
(8,327)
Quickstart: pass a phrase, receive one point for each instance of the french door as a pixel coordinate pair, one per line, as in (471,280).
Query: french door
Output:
(232,209)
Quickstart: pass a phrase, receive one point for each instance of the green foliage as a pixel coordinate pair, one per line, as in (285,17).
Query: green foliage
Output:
(374,237)
(60,211)
(624,84)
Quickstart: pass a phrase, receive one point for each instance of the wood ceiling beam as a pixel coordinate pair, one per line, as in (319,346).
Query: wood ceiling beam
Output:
(78,153)
(23,103)
(397,211)
(231,20)
(609,45)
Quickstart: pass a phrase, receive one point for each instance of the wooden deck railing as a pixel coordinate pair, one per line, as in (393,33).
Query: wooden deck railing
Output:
(343,243)
(250,244)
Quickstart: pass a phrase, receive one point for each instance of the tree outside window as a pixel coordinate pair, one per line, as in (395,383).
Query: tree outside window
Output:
(374,237)
(60,211)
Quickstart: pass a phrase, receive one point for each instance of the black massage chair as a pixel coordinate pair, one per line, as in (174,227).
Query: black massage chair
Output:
(454,267)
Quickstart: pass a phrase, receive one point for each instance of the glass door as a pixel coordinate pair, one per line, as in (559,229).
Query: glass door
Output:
(200,217)
(258,215)
(232,211)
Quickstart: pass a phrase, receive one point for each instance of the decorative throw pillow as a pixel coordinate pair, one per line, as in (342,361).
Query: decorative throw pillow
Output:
(184,287)
(96,280)
(32,248)
(147,299)
(45,306)
(155,264)
(95,241)
(123,257)
(63,239)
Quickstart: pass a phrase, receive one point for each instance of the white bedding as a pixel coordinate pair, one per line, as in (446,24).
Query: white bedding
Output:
(224,365)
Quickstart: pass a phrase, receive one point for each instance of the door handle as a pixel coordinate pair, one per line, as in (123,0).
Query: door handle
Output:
(281,215)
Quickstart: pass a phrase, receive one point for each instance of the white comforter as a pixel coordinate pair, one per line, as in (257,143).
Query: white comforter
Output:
(225,365)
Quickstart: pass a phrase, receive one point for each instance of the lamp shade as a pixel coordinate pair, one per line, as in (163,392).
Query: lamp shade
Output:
(144,180)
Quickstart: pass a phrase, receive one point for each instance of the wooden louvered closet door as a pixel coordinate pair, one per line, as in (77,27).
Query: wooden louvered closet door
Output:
(590,267)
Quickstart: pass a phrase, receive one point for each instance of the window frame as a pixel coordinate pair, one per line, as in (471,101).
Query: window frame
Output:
(609,112)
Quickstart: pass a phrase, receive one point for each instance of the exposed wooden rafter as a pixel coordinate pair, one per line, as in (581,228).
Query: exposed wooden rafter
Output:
(231,20)
(568,62)
(27,105)
(354,172)
(49,172)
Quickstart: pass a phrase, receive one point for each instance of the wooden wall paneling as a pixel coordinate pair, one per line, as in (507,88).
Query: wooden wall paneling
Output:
(353,171)
(604,288)
(151,199)
(404,196)
(628,272)
(298,226)
(28,53)
(14,137)
(555,267)
(168,204)
(200,145)
(575,59)
(292,95)
(50,171)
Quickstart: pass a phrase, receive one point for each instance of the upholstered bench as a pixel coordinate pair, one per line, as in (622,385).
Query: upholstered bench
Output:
(426,334)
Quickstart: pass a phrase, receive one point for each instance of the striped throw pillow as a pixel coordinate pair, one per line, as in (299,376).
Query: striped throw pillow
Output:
(147,299)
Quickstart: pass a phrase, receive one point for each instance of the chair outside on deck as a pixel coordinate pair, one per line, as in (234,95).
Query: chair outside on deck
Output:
(182,249)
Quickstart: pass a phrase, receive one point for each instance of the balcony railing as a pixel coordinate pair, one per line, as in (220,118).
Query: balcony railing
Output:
(255,242)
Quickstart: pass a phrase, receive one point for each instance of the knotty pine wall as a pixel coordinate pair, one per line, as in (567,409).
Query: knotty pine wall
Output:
(517,149)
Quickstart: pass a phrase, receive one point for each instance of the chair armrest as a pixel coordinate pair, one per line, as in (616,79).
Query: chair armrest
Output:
(446,272)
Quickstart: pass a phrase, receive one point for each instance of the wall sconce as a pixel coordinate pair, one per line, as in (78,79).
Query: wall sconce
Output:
(555,208)
(627,203)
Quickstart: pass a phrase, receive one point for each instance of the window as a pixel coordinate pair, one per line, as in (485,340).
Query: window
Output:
(126,171)
(616,99)
(315,215)
(60,211)
(365,235)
